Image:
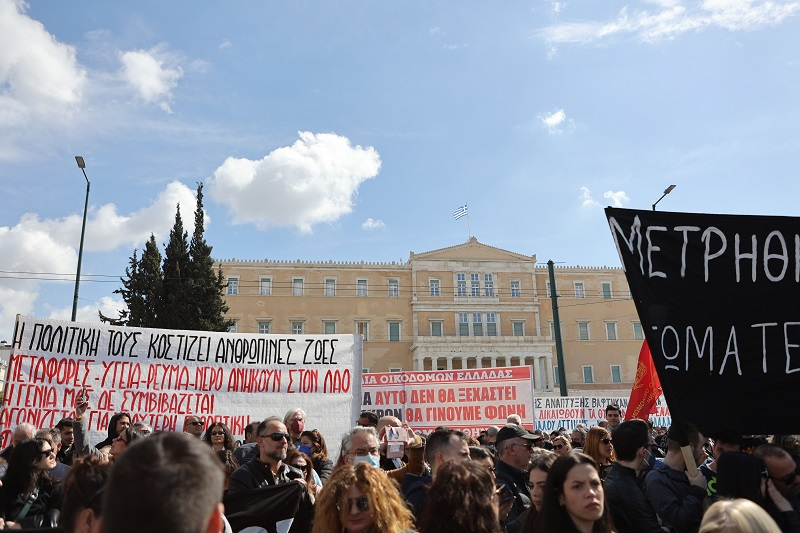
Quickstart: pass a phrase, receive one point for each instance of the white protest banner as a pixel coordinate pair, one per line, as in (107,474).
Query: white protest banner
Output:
(468,400)
(162,376)
(553,412)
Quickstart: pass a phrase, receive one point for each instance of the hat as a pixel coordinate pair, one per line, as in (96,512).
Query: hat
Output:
(512,431)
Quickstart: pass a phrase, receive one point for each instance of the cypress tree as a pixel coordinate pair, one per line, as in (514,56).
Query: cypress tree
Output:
(176,310)
(141,289)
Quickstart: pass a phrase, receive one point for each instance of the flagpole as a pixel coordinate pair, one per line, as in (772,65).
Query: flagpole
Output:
(469,231)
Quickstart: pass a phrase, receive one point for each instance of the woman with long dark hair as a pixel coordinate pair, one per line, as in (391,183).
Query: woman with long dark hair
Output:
(313,444)
(219,437)
(574,501)
(119,422)
(28,496)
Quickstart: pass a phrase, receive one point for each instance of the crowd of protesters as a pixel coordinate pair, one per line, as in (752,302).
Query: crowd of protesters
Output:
(625,477)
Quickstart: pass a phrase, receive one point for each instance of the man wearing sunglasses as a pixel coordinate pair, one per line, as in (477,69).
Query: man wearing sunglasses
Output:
(514,446)
(193,425)
(782,470)
(268,467)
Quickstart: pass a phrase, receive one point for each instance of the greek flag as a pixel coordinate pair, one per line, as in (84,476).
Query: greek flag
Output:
(460,212)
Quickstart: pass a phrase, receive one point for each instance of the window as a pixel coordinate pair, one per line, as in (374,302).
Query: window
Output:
(547,289)
(394,331)
(518,329)
(638,332)
(606,289)
(611,331)
(488,285)
(588,374)
(580,292)
(394,288)
(362,328)
(330,328)
(434,287)
(477,324)
(330,287)
(297,287)
(361,287)
(396,369)
(264,327)
(616,374)
(233,286)
(463,324)
(436,328)
(515,292)
(476,284)
(297,328)
(583,331)
(556,380)
(553,331)
(462,284)
(265,286)
(234,327)
(491,324)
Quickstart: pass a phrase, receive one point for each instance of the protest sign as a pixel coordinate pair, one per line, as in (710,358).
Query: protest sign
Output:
(717,297)
(468,400)
(553,412)
(162,376)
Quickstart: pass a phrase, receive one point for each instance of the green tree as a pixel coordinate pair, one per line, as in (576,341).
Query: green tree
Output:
(176,310)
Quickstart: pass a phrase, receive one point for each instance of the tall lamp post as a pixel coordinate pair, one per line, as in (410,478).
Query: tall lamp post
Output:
(82,166)
(666,192)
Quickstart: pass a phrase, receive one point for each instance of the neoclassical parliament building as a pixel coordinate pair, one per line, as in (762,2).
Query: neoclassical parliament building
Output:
(465,306)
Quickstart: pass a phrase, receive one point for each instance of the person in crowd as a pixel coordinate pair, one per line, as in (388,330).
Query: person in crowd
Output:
(250,433)
(514,419)
(676,494)
(782,470)
(219,437)
(541,462)
(174,478)
(22,432)
(573,498)
(514,446)
(81,429)
(442,446)
(313,444)
(387,463)
(143,427)
(561,445)
(229,464)
(462,498)
(82,492)
(367,419)
(578,437)
(613,417)
(540,440)
(28,496)
(268,468)
(53,436)
(491,435)
(119,422)
(737,516)
(302,462)
(361,445)
(67,440)
(193,425)
(361,498)
(486,455)
(295,421)
(629,506)
(600,447)
(724,441)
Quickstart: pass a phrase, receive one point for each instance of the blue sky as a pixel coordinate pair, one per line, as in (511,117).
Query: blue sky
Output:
(352,130)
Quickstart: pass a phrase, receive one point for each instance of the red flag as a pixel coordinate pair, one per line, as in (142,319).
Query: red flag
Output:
(646,388)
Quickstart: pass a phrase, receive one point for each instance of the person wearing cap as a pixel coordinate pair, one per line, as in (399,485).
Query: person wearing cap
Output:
(514,446)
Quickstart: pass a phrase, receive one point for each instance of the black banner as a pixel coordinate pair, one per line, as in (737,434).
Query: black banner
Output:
(719,301)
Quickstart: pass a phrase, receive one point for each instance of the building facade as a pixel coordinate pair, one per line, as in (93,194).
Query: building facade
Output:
(465,306)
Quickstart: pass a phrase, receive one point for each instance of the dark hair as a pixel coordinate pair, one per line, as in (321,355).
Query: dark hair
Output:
(483,452)
(554,516)
(173,475)
(728,436)
(369,415)
(227,439)
(629,437)
(461,498)
(83,489)
(543,460)
(439,440)
(112,429)
(64,423)
(308,475)
(22,475)
(228,460)
(613,407)
(250,429)
(318,441)
(739,476)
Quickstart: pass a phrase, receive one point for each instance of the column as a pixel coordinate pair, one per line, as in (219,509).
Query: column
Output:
(549,381)
(478,362)
(449,362)
(537,375)
(494,361)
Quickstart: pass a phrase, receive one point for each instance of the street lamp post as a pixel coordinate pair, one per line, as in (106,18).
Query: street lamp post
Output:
(82,166)
(666,192)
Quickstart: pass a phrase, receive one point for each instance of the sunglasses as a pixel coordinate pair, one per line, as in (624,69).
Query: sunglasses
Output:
(215,433)
(47,453)
(304,468)
(277,437)
(557,446)
(527,445)
(606,440)
(200,423)
(362,504)
(788,479)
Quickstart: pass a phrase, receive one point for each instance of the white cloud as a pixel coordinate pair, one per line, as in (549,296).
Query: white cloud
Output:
(110,306)
(40,78)
(153,74)
(455,46)
(619,198)
(586,198)
(557,122)
(670,18)
(557,7)
(315,180)
(225,44)
(435,30)
(371,224)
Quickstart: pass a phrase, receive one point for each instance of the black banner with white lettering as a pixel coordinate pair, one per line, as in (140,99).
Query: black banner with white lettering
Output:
(719,301)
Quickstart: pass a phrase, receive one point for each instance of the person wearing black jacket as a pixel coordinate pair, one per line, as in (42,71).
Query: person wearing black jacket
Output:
(630,509)
(514,448)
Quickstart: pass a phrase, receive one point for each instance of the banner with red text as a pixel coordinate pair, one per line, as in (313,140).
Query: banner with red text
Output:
(468,400)
(162,376)
(553,412)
